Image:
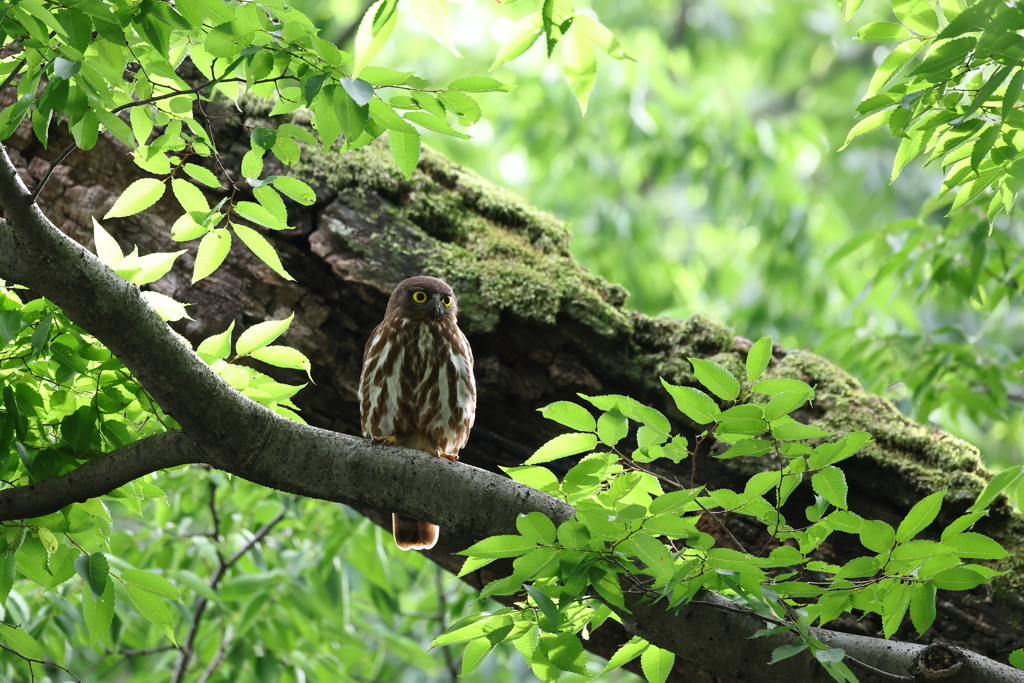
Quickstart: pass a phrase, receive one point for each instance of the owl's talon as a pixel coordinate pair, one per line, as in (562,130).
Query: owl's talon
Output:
(453,458)
(386,440)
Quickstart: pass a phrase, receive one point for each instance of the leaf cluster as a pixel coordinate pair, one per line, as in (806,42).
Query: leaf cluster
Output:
(637,532)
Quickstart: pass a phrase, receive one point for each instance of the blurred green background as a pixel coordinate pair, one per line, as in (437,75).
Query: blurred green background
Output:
(707,177)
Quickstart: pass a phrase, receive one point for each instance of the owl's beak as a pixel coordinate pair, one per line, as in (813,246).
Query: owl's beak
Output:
(436,309)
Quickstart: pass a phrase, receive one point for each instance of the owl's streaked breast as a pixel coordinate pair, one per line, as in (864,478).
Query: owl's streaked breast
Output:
(417,385)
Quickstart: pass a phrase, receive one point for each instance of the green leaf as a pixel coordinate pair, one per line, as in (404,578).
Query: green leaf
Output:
(381,76)
(435,123)
(228,39)
(259,245)
(546,605)
(786,651)
(758,357)
(138,196)
(892,65)
(961,523)
(295,189)
(787,429)
(995,487)
(674,500)
(784,403)
(475,653)
(252,163)
(579,63)
(213,249)
(166,307)
(657,664)
(433,15)
(98,612)
(922,606)
(975,545)
(877,536)
(325,115)
(747,447)
(190,197)
(499,546)
(917,15)
(374,30)
(565,651)
(599,34)
(151,582)
(205,176)
(693,403)
(270,200)
(152,267)
(261,334)
(612,427)
(385,115)
(561,446)
(287,150)
(107,248)
(94,569)
(633,648)
(883,32)
(283,357)
(958,579)
(716,378)
(352,116)
(462,104)
(533,476)
(479,84)
(866,125)
(405,149)
(571,415)
(941,60)
(654,555)
(150,606)
(21,642)
(520,38)
(217,347)
(1017,658)
(1013,92)
(920,516)
(536,527)
(830,483)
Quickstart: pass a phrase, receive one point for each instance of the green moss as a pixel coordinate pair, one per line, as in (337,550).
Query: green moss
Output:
(497,251)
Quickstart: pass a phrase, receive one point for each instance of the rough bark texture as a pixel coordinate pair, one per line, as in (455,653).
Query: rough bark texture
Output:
(542,329)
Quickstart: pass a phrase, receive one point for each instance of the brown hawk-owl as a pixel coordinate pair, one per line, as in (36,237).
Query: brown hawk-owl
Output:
(417,388)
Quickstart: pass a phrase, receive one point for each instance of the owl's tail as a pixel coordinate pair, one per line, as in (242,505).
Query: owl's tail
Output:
(412,534)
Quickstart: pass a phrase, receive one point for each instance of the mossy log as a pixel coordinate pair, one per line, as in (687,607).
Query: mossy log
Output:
(542,328)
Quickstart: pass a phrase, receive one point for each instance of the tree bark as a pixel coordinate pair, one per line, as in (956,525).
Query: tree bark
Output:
(542,329)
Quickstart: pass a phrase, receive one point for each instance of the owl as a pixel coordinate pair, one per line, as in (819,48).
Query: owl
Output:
(416,388)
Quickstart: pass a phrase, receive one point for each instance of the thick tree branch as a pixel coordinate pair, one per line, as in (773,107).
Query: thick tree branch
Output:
(100,476)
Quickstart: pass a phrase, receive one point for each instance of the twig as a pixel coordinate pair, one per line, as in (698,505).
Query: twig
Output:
(213,512)
(864,666)
(14,74)
(218,659)
(39,661)
(125,652)
(201,602)
(53,164)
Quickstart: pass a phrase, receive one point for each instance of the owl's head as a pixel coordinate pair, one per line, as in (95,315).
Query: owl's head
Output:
(423,299)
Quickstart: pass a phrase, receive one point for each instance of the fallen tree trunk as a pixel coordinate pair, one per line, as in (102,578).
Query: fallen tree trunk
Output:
(542,329)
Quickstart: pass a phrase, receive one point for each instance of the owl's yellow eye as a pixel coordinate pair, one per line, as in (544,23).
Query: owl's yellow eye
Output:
(447,301)
(419,297)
